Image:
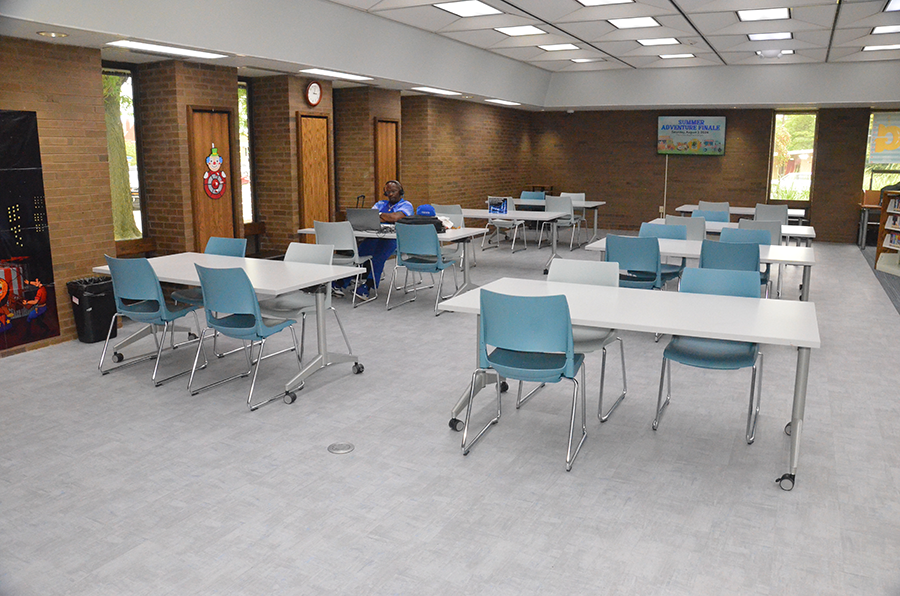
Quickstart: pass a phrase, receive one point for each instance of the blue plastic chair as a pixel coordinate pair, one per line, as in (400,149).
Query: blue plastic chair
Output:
(758,237)
(737,256)
(715,353)
(139,297)
(638,260)
(532,341)
(216,245)
(533,195)
(232,310)
(419,250)
(591,339)
(674,232)
(712,215)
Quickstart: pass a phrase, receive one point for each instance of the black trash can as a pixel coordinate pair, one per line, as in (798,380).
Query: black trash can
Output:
(93,304)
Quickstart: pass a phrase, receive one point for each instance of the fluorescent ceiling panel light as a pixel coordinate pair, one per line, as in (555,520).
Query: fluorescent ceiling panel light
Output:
(662,41)
(158,49)
(336,75)
(558,47)
(770,36)
(585,60)
(436,91)
(603,2)
(468,8)
(503,102)
(893,46)
(764,14)
(886,29)
(773,53)
(671,56)
(521,30)
(634,23)
(892,6)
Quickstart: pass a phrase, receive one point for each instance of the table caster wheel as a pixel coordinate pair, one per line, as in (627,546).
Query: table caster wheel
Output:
(358,368)
(546,271)
(290,397)
(786,482)
(117,357)
(787,429)
(504,386)
(192,336)
(456,424)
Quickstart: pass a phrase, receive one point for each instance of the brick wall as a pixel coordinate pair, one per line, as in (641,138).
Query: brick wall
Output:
(62,84)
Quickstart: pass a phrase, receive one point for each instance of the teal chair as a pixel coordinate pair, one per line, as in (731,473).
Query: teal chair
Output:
(674,232)
(736,256)
(638,260)
(216,245)
(715,353)
(533,195)
(712,215)
(232,310)
(531,340)
(139,297)
(419,250)
(760,237)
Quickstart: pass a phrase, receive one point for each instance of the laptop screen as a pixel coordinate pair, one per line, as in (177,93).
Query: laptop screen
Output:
(364,219)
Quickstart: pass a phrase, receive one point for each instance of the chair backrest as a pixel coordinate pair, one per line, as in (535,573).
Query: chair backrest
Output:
(745,235)
(594,273)
(301,252)
(695,227)
(575,196)
(635,254)
(773,227)
(721,282)
(229,292)
(536,324)
(337,233)
(740,256)
(454,213)
(134,279)
(764,212)
(229,247)
(533,195)
(714,206)
(560,204)
(712,215)
(416,240)
(652,230)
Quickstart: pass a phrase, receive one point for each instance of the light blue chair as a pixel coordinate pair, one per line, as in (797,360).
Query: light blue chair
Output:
(419,250)
(139,297)
(715,353)
(712,215)
(533,195)
(638,259)
(591,339)
(760,237)
(216,245)
(675,232)
(232,310)
(531,337)
(736,256)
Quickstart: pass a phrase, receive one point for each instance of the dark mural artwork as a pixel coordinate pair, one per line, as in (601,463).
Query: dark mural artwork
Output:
(27,298)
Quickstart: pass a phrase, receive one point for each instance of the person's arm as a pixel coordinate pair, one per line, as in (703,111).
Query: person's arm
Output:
(392,217)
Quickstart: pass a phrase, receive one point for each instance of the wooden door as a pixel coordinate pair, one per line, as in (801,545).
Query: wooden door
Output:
(315,203)
(387,154)
(212,196)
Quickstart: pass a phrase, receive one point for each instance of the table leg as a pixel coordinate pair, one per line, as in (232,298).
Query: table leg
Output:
(467,244)
(796,425)
(596,235)
(804,292)
(324,357)
(863,227)
(554,235)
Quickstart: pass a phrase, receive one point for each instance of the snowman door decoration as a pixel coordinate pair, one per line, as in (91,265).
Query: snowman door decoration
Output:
(214,179)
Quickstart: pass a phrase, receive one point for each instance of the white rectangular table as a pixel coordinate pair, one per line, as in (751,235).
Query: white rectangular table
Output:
(538,216)
(269,278)
(792,213)
(804,234)
(577,204)
(773,322)
(778,254)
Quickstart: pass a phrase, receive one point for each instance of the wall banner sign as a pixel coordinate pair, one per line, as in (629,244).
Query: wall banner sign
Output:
(691,135)
(885,138)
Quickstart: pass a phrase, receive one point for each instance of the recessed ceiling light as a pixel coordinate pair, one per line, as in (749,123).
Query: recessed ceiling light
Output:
(468,8)
(436,91)
(503,102)
(334,74)
(892,6)
(893,46)
(662,41)
(585,60)
(773,53)
(671,56)
(53,34)
(557,47)
(158,49)
(603,2)
(886,29)
(770,36)
(521,30)
(634,23)
(764,14)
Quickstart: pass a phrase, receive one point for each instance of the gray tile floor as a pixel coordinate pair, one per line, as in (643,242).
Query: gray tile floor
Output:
(111,486)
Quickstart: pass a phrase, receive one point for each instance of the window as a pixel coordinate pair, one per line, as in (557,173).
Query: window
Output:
(884,128)
(792,156)
(124,178)
(247,205)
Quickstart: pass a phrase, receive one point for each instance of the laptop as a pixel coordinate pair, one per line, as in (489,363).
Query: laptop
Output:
(364,219)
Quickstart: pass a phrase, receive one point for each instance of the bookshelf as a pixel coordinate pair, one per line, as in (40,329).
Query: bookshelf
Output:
(888,251)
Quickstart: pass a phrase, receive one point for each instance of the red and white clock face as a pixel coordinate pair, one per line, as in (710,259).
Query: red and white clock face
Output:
(314,93)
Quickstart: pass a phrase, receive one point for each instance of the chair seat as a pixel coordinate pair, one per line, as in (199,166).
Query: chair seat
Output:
(188,296)
(531,366)
(292,302)
(711,353)
(591,339)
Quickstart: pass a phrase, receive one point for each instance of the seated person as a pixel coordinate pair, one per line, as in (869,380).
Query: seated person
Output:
(393,208)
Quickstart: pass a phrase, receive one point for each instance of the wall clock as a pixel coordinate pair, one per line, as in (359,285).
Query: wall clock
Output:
(313,93)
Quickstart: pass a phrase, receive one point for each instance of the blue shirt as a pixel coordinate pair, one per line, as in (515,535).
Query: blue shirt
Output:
(384,206)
